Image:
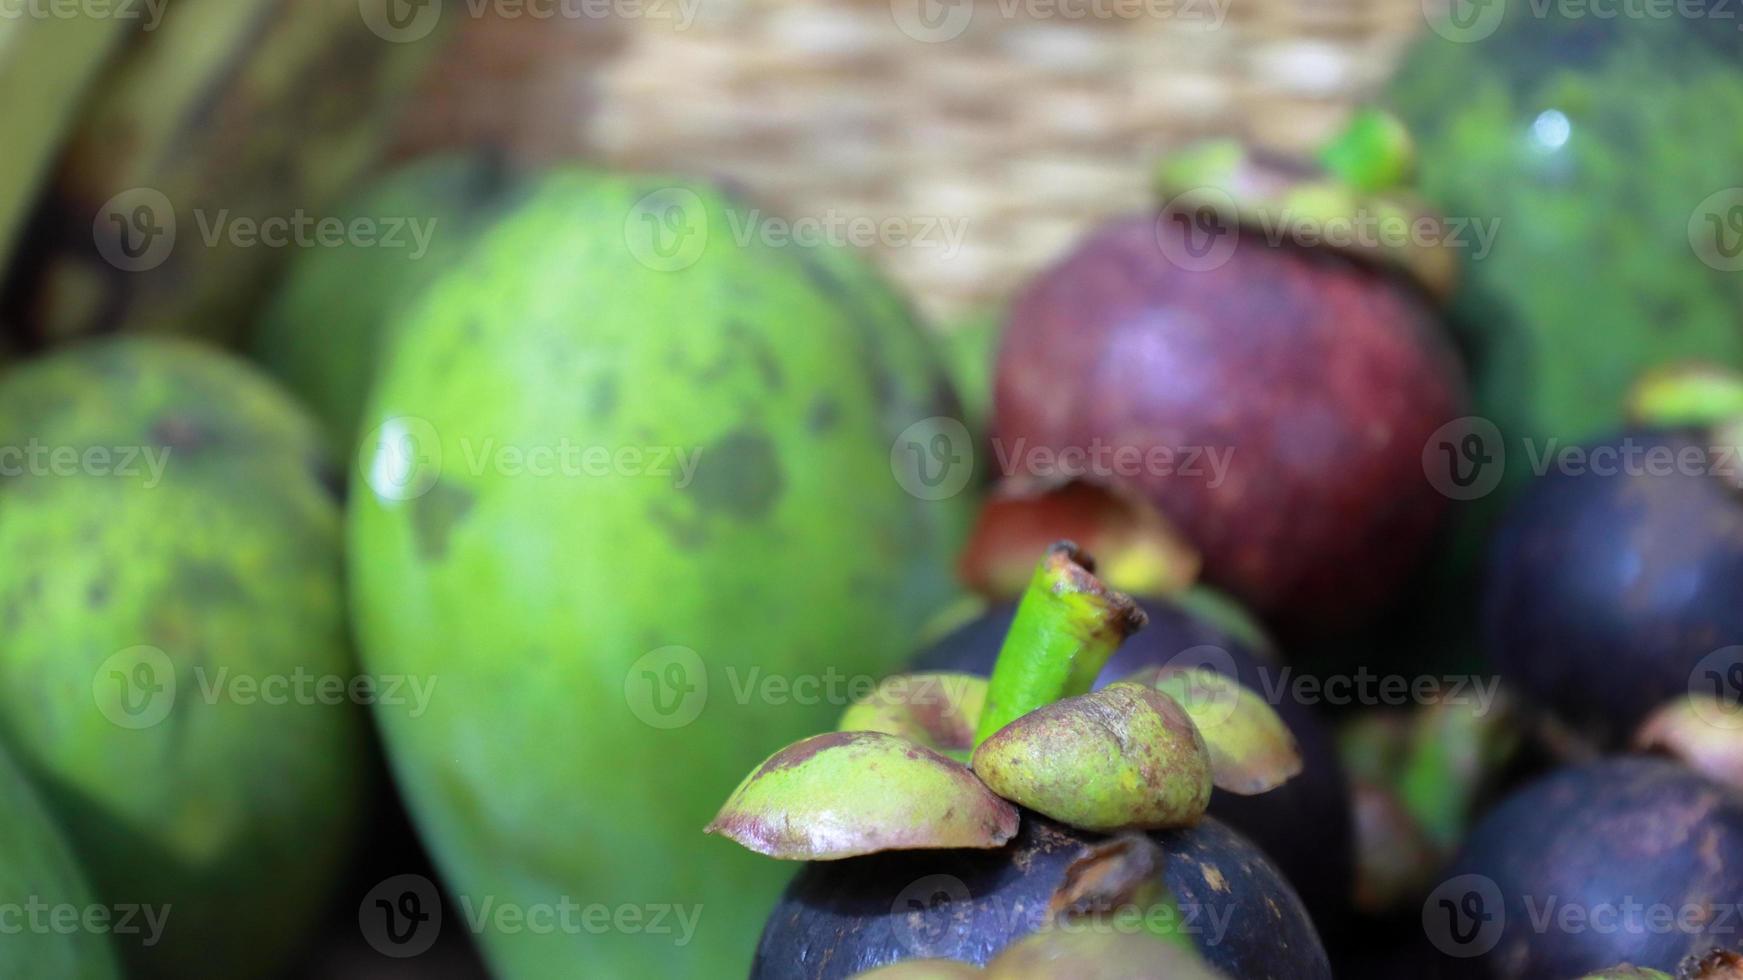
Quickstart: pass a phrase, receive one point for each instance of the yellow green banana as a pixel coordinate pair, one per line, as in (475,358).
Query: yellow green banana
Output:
(46,65)
(211,150)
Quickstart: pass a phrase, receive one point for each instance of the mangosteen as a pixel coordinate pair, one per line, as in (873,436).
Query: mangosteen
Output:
(1625,860)
(1271,394)
(1613,585)
(841,917)
(1305,824)
(1041,806)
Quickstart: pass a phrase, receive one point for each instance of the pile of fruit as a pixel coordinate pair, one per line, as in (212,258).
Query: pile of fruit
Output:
(1334,570)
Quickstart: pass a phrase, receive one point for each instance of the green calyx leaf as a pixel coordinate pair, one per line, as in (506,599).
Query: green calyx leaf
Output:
(937,710)
(1354,202)
(1687,395)
(843,794)
(1374,152)
(1066,626)
(1251,750)
(1124,757)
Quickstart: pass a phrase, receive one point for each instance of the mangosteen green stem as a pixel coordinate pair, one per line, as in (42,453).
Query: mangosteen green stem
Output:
(1374,152)
(1067,625)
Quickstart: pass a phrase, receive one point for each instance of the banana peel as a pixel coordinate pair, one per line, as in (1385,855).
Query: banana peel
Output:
(46,66)
(210,151)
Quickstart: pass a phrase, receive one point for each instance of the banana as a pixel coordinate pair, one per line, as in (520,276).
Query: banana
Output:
(46,63)
(208,156)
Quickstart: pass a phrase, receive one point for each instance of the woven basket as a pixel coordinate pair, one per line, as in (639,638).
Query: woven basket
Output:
(1015,123)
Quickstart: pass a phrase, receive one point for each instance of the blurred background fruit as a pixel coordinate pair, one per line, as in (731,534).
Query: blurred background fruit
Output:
(38,874)
(1638,851)
(1602,146)
(1613,588)
(46,67)
(211,147)
(607,633)
(1291,390)
(173,611)
(322,333)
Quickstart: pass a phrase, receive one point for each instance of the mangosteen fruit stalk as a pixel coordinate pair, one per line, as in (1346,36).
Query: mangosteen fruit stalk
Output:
(1613,579)
(1041,804)
(1262,359)
(1304,826)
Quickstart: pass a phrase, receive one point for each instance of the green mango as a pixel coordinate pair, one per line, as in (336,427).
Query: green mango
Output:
(173,612)
(322,332)
(1603,146)
(38,878)
(618,646)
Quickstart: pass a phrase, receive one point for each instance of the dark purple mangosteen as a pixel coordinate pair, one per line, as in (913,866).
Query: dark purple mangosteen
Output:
(1626,860)
(1305,824)
(842,917)
(1614,584)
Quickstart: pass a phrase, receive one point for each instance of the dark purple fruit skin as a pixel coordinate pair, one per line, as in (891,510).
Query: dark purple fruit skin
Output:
(1603,592)
(1323,374)
(1305,824)
(838,918)
(1647,830)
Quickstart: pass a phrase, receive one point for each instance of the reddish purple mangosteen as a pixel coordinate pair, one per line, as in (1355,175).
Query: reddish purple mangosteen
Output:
(1272,398)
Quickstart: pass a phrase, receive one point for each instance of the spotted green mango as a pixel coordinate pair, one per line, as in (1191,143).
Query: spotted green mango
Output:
(36,863)
(643,488)
(1600,156)
(172,608)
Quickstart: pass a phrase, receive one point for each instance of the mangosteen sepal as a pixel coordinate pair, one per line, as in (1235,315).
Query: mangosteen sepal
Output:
(843,794)
(1268,193)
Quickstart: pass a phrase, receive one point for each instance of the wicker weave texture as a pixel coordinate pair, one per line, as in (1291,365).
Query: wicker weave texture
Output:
(967,142)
